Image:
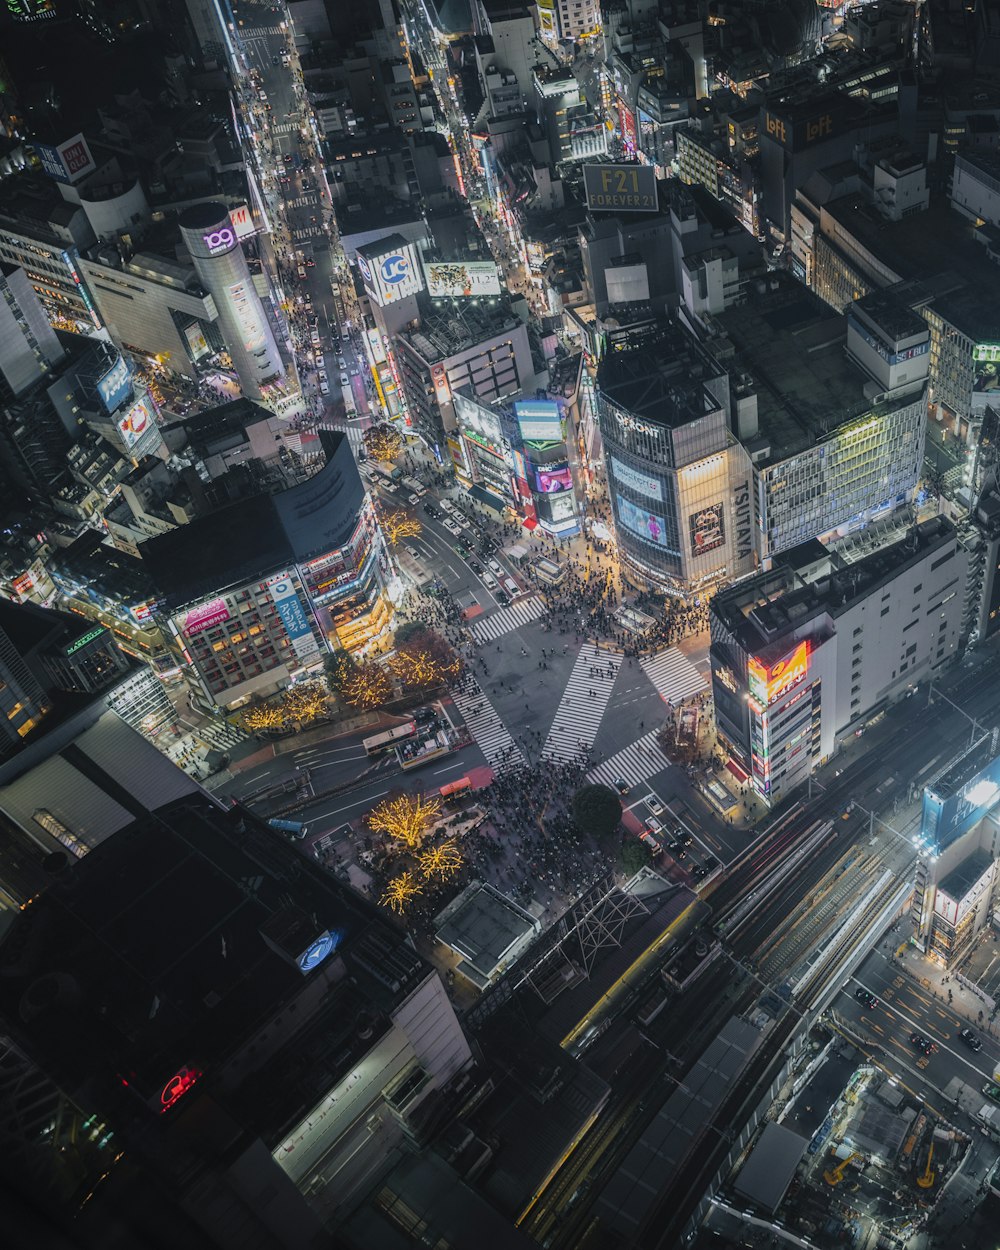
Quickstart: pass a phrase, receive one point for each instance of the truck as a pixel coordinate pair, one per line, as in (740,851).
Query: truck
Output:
(294,828)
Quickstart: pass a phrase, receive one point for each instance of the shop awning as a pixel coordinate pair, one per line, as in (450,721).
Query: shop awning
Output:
(737,772)
(487,497)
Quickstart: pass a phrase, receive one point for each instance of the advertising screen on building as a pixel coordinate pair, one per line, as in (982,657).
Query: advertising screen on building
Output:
(69,162)
(986,370)
(390,273)
(647,525)
(196,341)
(620,188)
(462,278)
(707,528)
(961,797)
(538,420)
(293,617)
(767,685)
(135,422)
(242,221)
(207,614)
(116,385)
(246,314)
(651,487)
(552,478)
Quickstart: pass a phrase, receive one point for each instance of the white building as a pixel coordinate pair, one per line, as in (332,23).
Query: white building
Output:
(804,655)
(975,187)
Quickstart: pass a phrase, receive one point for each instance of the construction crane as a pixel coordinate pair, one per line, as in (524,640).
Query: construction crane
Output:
(927,1180)
(837,1175)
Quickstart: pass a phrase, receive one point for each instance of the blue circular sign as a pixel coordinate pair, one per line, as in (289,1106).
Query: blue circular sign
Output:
(314,954)
(395,269)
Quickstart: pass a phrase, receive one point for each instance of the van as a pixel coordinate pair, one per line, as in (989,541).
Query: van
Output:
(448,506)
(511,586)
(301,271)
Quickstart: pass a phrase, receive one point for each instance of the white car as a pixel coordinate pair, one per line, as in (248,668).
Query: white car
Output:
(324,388)
(413,499)
(654,805)
(412,551)
(320,360)
(496,567)
(447,505)
(489,580)
(511,587)
(460,519)
(344,380)
(321,374)
(452,527)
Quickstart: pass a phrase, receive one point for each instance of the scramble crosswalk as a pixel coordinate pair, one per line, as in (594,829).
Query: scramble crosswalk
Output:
(579,715)
(219,733)
(303,201)
(633,764)
(520,612)
(491,734)
(673,675)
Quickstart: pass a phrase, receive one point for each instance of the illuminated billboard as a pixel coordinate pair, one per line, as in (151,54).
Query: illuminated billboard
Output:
(551,478)
(961,796)
(293,617)
(620,188)
(135,422)
(242,221)
(707,528)
(538,420)
(205,616)
(68,162)
(390,270)
(642,484)
(116,385)
(645,524)
(462,278)
(768,685)
(986,371)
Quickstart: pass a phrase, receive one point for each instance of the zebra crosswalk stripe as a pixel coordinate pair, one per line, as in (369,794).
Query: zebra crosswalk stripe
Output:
(501,751)
(579,715)
(519,613)
(673,675)
(633,764)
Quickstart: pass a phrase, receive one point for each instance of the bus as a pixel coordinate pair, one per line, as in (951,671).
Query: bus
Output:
(549,572)
(453,789)
(349,403)
(378,743)
(294,828)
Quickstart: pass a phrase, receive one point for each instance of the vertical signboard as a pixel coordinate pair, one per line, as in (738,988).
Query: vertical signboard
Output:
(293,617)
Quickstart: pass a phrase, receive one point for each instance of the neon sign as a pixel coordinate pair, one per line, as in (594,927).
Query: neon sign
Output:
(178,1086)
(219,240)
(768,685)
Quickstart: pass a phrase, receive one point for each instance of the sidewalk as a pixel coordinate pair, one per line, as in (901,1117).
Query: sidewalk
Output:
(966,1002)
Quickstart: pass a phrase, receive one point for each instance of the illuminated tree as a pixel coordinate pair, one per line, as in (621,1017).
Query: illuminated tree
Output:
(306,702)
(400,891)
(421,662)
(382,441)
(440,861)
(397,525)
(406,818)
(367,686)
(263,716)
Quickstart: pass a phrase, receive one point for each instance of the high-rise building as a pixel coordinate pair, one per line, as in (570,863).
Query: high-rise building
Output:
(805,655)
(28,344)
(214,246)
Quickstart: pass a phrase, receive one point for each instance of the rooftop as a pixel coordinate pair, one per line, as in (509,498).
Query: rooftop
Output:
(483,929)
(444,334)
(961,879)
(663,381)
(792,344)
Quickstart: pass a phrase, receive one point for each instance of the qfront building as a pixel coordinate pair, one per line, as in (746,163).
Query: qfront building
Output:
(679,483)
(804,655)
(265,587)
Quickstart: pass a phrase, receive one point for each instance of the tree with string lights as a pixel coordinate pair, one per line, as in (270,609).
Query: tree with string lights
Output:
(441,861)
(306,701)
(397,525)
(400,891)
(382,441)
(424,661)
(263,716)
(405,818)
(367,686)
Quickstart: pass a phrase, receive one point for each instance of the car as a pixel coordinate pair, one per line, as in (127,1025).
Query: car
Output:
(452,528)
(651,841)
(321,374)
(320,360)
(678,851)
(310,263)
(301,271)
(923,1044)
(341,363)
(971,1039)
(287,158)
(511,587)
(413,499)
(501,598)
(448,506)
(621,785)
(412,551)
(683,837)
(324,388)
(431,511)
(866,999)
(654,824)
(345,380)
(476,567)
(990,1090)
(460,519)
(496,568)
(654,805)
(388,487)
(488,580)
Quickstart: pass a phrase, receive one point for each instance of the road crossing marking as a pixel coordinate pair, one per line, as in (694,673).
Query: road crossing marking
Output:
(491,734)
(219,734)
(521,612)
(304,201)
(579,715)
(634,764)
(673,675)
(284,128)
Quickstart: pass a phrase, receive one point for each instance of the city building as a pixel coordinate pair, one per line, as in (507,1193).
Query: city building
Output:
(836,436)
(29,348)
(680,485)
(215,249)
(803,656)
(482,347)
(975,187)
(260,1062)
(262,588)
